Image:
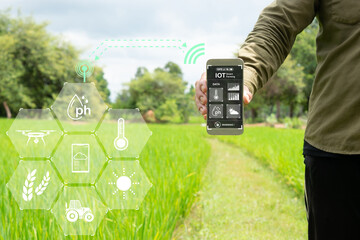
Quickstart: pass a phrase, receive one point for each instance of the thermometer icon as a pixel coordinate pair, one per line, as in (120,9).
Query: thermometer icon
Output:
(216,96)
(121,142)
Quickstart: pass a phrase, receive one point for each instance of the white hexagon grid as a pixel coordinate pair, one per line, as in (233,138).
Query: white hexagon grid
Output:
(123,133)
(34,133)
(34,185)
(123,185)
(79,211)
(79,158)
(79,107)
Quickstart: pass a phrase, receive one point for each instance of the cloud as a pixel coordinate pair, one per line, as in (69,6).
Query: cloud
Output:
(222,25)
(80,156)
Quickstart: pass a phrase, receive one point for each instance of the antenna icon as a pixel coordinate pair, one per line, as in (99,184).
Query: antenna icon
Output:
(84,69)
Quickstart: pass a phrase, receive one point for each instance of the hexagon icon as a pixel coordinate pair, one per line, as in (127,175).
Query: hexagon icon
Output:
(123,185)
(34,185)
(79,158)
(123,133)
(34,133)
(79,211)
(79,107)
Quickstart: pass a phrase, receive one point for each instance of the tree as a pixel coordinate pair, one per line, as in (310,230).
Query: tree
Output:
(167,110)
(161,91)
(141,71)
(173,68)
(101,84)
(34,65)
(257,105)
(124,100)
(286,86)
(297,73)
(186,105)
(12,91)
(152,90)
(9,74)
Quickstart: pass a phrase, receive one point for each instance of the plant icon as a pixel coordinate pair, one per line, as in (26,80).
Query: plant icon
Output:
(29,183)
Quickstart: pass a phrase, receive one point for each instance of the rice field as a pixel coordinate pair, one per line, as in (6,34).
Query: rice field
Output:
(174,162)
(279,149)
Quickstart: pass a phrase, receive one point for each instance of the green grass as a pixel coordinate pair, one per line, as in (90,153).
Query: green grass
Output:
(241,198)
(280,149)
(196,119)
(192,120)
(174,161)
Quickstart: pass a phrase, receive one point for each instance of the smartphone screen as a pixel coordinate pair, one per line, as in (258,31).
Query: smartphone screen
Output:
(224,96)
(80,158)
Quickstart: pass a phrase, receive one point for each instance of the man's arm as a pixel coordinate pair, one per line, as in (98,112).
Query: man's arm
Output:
(272,38)
(267,46)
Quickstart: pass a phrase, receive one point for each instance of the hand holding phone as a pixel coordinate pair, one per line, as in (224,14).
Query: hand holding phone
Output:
(224,96)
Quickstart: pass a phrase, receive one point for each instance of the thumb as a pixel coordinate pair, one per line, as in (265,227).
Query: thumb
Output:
(247,95)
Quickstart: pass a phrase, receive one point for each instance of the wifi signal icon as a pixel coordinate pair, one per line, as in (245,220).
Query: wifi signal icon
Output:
(194,53)
(84,69)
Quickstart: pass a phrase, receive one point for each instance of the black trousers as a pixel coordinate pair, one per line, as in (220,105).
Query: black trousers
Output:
(332,197)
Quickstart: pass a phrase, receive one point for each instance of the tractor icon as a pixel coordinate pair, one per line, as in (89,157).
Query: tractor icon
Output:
(75,211)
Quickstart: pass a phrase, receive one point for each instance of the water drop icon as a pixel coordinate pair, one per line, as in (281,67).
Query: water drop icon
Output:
(73,105)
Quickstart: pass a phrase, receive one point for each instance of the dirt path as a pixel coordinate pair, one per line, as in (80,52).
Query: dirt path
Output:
(242,199)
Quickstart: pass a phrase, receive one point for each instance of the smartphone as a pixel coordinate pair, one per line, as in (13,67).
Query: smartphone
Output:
(80,157)
(225,96)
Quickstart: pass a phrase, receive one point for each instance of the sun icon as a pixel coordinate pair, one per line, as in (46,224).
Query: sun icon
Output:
(124,183)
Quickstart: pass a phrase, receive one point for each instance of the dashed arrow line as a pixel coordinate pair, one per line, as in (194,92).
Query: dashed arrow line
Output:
(136,43)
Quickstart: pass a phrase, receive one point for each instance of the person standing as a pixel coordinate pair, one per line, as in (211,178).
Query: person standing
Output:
(332,136)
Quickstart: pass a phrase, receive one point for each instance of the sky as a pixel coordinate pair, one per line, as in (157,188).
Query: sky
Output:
(221,25)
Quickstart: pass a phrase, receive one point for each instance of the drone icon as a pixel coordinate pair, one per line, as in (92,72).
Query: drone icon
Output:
(36,135)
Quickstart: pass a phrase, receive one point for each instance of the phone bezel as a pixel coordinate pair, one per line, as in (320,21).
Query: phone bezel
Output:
(225,131)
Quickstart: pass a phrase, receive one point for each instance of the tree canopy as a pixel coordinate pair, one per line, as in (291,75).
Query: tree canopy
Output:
(161,91)
(34,64)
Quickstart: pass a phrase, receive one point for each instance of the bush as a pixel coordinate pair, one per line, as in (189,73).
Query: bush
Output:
(167,111)
(271,120)
(293,122)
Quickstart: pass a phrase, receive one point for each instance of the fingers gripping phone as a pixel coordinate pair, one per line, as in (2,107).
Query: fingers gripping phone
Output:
(225,96)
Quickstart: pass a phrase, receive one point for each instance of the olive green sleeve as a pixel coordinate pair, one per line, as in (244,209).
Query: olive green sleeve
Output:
(267,46)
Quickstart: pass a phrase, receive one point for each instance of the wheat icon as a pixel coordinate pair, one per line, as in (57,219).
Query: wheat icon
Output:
(29,183)
(43,185)
(28,186)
